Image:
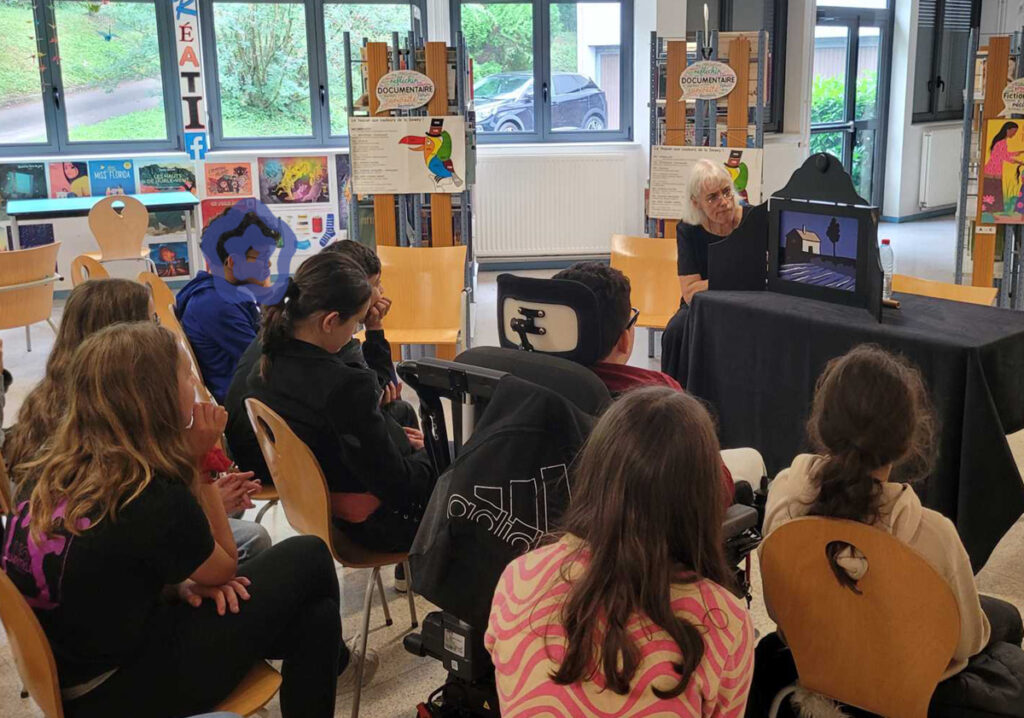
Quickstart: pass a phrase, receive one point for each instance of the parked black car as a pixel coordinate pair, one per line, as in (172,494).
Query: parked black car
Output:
(504,103)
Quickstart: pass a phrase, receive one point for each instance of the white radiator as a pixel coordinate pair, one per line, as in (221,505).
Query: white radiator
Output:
(940,162)
(556,200)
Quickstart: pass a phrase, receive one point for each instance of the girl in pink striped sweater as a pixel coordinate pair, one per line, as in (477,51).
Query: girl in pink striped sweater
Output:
(628,613)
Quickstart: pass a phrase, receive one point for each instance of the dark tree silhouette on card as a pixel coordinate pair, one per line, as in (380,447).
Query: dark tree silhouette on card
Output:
(833,234)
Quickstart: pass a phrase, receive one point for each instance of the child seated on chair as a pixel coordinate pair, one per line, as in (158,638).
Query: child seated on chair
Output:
(218,328)
(91,306)
(871,421)
(628,611)
(124,552)
(379,476)
(618,319)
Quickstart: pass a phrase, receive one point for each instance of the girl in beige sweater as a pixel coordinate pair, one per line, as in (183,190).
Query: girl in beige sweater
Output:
(871,412)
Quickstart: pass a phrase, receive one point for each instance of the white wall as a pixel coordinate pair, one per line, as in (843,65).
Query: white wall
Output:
(1000,17)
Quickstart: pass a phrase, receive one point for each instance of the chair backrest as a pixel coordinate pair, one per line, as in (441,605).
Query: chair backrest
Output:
(650,264)
(84,268)
(163,302)
(944,290)
(296,472)
(27,277)
(883,650)
(119,225)
(425,284)
(31,649)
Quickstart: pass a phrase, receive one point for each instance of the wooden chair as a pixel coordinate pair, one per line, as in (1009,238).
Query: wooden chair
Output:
(306,501)
(944,290)
(426,285)
(883,650)
(6,490)
(27,277)
(38,669)
(84,268)
(650,265)
(163,302)
(119,223)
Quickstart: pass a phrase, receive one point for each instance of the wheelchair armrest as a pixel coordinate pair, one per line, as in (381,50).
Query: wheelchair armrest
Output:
(738,519)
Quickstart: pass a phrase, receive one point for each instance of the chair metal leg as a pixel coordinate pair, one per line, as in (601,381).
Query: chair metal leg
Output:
(650,342)
(264,509)
(28,339)
(384,601)
(779,697)
(367,604)
(409,594)
(52,325)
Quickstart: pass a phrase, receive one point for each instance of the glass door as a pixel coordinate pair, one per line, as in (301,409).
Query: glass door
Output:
(847,116)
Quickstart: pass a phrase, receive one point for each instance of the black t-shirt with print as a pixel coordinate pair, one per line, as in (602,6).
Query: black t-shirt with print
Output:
(97,595)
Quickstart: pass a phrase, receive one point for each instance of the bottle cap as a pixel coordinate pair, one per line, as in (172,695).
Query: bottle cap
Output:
(885,241)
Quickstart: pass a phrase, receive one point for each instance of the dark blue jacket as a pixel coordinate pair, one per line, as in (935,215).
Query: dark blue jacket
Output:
(219,330)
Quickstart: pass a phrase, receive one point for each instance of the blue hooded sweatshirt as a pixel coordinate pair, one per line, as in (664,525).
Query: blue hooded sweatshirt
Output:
(219,330)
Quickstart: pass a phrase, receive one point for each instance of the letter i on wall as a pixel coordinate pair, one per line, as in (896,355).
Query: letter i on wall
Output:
(190,74)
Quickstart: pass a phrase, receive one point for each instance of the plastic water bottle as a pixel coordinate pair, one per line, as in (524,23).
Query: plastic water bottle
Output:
(888,267)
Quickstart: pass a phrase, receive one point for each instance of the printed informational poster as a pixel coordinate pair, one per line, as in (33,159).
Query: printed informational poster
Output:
(211,208)
(170,259)
(167,175)
(407,155)
(1002,192)
(111,177)
(670,175)
(228,179)
(21,180)
(291,180)
(69,179)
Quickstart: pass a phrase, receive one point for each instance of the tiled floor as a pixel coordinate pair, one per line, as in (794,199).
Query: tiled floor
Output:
(403,680)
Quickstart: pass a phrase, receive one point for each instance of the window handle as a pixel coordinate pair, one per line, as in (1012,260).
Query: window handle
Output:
(544,90)
(323,95)
(941,83)
(56,98)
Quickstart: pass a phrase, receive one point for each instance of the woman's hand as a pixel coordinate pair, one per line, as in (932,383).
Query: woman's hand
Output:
(226,596)
(236,490)
(415,437)
(690,284)
(208,422)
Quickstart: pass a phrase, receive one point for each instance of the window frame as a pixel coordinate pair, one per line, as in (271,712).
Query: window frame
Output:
(321,136)
(773,122)
(542,132)
(932,115)
(51,91)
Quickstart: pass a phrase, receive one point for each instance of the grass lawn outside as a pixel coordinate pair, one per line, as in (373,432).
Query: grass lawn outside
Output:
(141,125)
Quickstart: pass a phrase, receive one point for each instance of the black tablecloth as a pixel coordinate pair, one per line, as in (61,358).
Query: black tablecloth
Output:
(755,356)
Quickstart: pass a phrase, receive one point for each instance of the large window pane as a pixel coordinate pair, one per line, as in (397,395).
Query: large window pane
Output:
(831,58)
(951,70)
(110,70)
(21,98)
(375,23)
(262,60)
(585,57)
(923,62)
(499,41)
(868,40)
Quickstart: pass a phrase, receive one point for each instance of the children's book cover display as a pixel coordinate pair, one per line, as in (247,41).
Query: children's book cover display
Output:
(167,175)
(228,179)
(112,177)
(170,258)
(69,179)
(1002,185)
(21,180)
(292,180)
(31,235)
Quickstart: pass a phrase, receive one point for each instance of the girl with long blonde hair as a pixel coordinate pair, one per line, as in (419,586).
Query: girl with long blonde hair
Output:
(114,522)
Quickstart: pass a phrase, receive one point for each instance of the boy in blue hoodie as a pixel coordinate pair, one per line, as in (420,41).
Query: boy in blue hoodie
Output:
(220,317)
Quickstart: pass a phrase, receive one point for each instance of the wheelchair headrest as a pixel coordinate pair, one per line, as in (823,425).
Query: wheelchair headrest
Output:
(559,317)
(568,379)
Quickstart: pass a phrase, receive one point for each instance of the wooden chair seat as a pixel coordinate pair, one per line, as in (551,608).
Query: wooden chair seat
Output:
(85,267)
(255,691)
(654,321)
(944,290)
(422,336)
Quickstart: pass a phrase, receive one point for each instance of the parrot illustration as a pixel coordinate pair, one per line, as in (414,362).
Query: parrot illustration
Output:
(436,147)
(737,169)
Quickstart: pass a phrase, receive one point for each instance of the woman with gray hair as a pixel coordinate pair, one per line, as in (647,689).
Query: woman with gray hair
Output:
(712,213)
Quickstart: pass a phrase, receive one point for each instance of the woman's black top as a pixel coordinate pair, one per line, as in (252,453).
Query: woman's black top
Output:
(692,242)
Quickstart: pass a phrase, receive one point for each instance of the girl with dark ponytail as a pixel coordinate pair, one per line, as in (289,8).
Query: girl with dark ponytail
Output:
(871,422)
(379,482)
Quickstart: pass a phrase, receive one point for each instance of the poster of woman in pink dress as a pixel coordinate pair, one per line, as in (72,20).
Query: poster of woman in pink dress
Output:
(1001,198)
